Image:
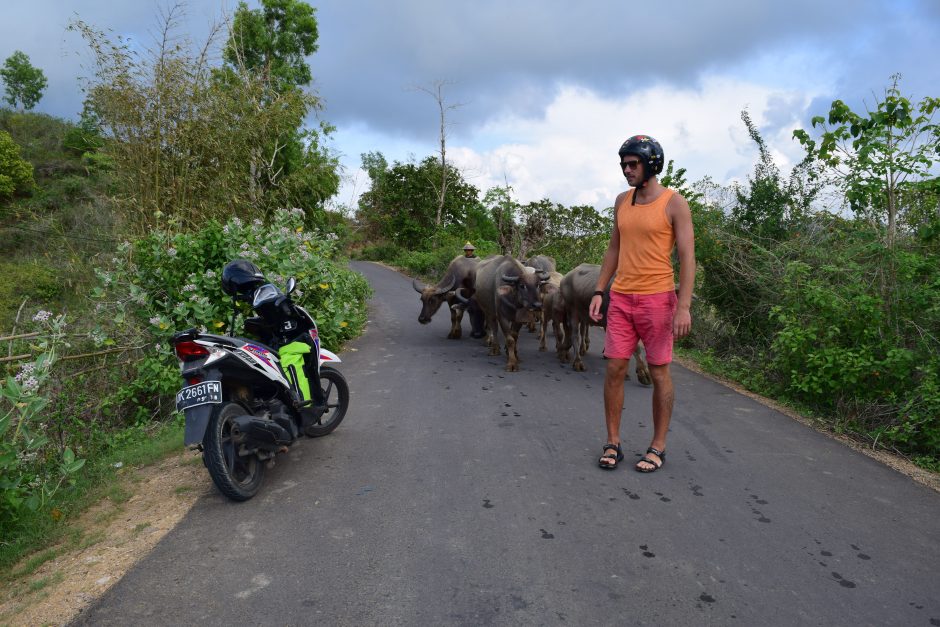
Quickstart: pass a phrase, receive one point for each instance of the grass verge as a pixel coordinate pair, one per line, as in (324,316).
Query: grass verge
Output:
(101,478)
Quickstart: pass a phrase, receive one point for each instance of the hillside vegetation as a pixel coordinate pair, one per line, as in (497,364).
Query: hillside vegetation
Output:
(113,233)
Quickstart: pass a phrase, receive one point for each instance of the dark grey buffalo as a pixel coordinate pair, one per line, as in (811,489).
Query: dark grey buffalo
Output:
(577,290)
(460,274)
(544,265)
(553,310)
(508,295)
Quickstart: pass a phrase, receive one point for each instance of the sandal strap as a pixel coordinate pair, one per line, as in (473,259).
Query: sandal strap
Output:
(612,447)
(660,454)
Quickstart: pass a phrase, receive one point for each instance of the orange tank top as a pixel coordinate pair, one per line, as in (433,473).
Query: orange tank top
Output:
(646,243)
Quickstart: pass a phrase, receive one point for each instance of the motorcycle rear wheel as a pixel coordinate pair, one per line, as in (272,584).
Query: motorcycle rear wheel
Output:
(336,391)
(237,477)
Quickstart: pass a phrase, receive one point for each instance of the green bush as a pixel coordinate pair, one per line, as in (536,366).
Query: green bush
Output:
(169,282)
(32,466)
(16,174)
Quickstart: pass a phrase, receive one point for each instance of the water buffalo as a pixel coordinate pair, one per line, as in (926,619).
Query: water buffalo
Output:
(553,309)
(508,294)
(460,273)
(546,265)
(577,290)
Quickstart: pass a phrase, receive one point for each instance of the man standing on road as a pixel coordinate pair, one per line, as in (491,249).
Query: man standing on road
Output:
(649,221)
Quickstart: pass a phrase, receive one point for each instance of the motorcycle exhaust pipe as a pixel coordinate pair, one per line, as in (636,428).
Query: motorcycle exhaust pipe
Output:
(259,432)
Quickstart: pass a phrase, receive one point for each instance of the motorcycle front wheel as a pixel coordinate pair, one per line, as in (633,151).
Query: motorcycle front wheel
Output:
(237,477)
(336,392)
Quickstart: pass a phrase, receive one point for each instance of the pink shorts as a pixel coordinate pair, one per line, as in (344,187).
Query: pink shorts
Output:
(634,317)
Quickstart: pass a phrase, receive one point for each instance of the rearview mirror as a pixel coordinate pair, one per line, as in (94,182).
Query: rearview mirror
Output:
(291,285)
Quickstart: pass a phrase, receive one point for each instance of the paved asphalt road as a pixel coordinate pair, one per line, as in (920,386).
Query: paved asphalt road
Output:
(458,494)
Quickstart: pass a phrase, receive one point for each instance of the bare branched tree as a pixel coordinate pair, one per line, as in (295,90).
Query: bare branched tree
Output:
(436,91)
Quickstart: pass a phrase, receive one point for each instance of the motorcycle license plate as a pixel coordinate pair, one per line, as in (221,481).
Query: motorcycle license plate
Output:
(199,394)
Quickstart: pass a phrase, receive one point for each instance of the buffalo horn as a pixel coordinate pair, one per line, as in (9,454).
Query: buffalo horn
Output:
(414,284)
(510,279)
(448,287)
(459,294)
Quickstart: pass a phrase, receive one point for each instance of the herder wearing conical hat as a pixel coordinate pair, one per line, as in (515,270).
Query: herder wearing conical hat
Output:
(468,249)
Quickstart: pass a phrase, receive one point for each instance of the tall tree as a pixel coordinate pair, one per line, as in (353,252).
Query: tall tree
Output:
(436,91)
(873,155)
(24,83)
(274,41)
(401,204)
(269,46)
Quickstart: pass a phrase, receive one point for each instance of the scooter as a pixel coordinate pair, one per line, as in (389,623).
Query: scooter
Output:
(246,400)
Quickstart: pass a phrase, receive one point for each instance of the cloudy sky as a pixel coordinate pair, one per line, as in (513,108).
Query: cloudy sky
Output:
(546,90)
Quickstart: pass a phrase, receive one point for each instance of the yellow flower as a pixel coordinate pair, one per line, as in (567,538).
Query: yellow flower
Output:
(324,286)
(56,513)
(219,325)
(163,325)
(300,229)
(344,324)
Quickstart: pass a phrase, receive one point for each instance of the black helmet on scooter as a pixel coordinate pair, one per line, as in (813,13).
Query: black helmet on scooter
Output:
(240,278)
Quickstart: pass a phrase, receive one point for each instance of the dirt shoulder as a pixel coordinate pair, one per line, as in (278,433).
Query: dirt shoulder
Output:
(115,534)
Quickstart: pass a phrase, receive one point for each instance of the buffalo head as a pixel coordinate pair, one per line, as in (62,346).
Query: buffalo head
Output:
(432,297)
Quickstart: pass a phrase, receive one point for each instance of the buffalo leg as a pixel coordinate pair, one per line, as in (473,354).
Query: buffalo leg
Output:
(477,320)
(492,336)
(511,332)
(578,327)
(456,315)
(542,317)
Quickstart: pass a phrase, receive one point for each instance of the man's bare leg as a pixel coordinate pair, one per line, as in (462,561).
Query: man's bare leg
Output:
(663,398)
(613,398)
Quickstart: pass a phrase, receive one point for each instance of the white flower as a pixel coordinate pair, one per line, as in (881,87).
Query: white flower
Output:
(236,221)
(42,315)
(244,246)
(155,320)
(30,383)
(264,249)
(257,222)
(189,287)
(210,274)
(171,251)
(225,229)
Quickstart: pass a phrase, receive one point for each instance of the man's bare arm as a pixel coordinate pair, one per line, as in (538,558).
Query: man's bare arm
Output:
(681,218)
(609,263)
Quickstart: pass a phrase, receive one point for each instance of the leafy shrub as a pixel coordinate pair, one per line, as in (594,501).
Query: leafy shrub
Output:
(168,282)
(32,466)
(16,174)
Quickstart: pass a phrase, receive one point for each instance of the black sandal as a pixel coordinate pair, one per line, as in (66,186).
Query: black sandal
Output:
(652,462)
(617,456)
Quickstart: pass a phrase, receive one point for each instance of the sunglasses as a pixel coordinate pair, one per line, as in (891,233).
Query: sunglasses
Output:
(633,164)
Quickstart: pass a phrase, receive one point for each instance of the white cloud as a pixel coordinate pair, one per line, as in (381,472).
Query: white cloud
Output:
(570,154)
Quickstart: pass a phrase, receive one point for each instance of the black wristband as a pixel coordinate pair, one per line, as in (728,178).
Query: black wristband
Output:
(599,293)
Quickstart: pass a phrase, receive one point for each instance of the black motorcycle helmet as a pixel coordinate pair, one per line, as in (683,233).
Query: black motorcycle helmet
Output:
(650,153)
(240,278)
